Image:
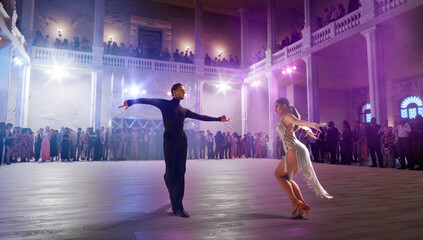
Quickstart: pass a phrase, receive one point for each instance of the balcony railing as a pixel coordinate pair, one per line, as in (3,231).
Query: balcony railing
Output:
(384,6)
(43,55)
(60,56)
(337,27)
(223,72)
(257,67)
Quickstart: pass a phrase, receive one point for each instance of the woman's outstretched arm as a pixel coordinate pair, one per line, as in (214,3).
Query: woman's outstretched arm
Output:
(292,119)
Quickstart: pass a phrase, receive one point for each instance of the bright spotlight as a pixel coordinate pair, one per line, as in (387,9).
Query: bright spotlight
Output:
(223,86)
(289,70)
(169,93)
(125,90)
(58,72)
(134,90)
(283,72)
(294,67)
(144,91)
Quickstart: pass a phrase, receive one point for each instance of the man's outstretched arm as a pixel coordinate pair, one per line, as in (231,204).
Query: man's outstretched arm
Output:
(151,101)
(193,115)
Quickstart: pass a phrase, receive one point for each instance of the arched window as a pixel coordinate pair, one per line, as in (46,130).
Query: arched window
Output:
(411,106)
(365,114)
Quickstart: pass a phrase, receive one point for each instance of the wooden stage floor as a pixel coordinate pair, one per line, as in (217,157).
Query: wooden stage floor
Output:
(227,199)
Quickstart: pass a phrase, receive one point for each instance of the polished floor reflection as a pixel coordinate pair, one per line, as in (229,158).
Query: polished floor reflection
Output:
(227,199)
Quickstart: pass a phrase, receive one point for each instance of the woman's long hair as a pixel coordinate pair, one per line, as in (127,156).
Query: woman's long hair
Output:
(292,109)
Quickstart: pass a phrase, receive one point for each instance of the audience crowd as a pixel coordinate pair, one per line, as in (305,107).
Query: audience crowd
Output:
(360,144)
(21,144)
(112,48)
(386,146)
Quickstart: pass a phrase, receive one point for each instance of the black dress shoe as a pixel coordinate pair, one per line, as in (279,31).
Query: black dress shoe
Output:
(181,213)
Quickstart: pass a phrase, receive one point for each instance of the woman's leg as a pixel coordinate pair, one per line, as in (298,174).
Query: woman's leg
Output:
(280,176)
(297,191)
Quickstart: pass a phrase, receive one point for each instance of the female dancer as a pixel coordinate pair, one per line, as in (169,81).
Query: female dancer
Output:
(297,158)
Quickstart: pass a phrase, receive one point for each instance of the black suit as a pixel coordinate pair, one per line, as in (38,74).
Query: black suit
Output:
(174,144)
(374,144)
(332,143)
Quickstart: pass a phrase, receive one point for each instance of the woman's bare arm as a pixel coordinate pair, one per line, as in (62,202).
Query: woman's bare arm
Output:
(291,119)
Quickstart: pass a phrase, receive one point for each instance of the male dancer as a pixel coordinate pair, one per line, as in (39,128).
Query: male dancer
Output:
(175,141)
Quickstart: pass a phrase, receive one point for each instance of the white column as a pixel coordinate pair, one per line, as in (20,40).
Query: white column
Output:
(27,25)
(377,84)
(199,61)
(5,70)
(313,102)
(22,96)
(244,108)
(273,90)
(245,56)
(201,102)
(271,25)
(96,86)
(310,24)
(118,82)
(98,32)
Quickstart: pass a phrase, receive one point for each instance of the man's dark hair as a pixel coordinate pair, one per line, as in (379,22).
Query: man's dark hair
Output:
(175,87)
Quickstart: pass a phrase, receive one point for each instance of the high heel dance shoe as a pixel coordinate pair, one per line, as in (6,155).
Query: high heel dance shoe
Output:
(296,211)
(305,209)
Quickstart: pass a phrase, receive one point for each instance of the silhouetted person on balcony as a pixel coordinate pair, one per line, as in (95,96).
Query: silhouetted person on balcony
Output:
(353,5)
(207,60)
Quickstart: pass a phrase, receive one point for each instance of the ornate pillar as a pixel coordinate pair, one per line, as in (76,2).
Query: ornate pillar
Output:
(271,25)
(200,102)
(5,70)
(96,86)
(118,83)
(313,102)
(310,24)
(244,108)
(97,71)
(98,32)
(245,59)
(199,61)
(273,88)
(377,84)
(22,96)
(28,20)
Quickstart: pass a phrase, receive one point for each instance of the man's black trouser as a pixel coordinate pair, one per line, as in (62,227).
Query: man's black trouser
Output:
(175,155)
(404,151)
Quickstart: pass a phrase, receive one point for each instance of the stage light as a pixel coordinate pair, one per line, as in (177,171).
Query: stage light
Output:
(17,61)
(283,72)
(57,72)
(294,67)
(125,90)
(289,70)
(144,91)
(256,84)
(169,93)
(223,86)
(134,90)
